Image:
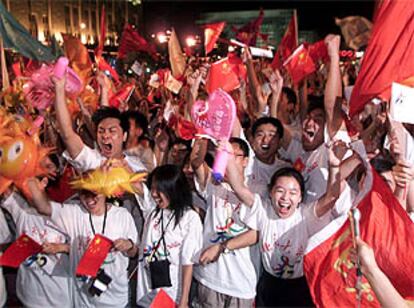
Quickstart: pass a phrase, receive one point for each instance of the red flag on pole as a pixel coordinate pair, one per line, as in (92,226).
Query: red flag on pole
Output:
(318,51)
(19,251)
(177,59)
(249,32)
(386,227)
(299,64)
(132,41)
(99,49)
(288,43)
(211,34)
(225,74)
(94,256)
(122,96)
(389,56)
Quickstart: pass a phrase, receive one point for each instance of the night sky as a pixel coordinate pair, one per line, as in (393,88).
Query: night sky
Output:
(312,15)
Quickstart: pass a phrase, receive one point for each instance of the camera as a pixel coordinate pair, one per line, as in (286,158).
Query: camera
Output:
(100,283)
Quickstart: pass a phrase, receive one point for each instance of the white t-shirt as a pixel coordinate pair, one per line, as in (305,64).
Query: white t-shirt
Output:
(283,241)
(38,284)
(5,237)
(74,219)
(89,159)
(235,273)
(183,245)
(145,155)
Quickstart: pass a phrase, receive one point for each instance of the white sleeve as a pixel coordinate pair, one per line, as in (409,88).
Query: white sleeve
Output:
(206,192)
(313,222)
(62,216)
(15,205)
(253,216)
(5,235)
(87,159)
(146,203)
(193,239)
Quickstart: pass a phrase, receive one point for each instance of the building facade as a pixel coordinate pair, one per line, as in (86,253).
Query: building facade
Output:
(44,18)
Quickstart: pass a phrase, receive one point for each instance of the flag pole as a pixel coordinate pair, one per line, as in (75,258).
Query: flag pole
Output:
(4,73)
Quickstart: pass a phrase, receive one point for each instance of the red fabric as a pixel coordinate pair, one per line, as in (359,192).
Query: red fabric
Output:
(185,129)
(62,190)
(299,64)
(389,56)
(318,51)
(288,43)
(249,32)
(104,66)
(99,49)
(211,34)
(121,96)
(132,41)
(225,74)
(386,227)
(16,69)
(162,300)
(19,251)
(94,256)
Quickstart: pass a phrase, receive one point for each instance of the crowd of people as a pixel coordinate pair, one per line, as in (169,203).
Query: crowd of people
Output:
(293,168)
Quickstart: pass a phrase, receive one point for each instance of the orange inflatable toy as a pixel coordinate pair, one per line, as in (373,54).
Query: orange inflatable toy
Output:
(21,153)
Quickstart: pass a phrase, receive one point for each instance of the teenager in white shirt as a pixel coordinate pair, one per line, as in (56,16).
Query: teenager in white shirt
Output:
(283,226)
(172,231)
(81,221)
(111,134)
(224,278)
(43,279)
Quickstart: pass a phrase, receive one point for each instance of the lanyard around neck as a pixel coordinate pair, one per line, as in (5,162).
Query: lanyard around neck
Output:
(104,222)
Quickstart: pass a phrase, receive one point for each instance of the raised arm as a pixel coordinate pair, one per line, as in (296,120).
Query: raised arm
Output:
(198,154)
(386,293)
(39,199)
(72,141)
(235,179)
(333,189)
(333,88)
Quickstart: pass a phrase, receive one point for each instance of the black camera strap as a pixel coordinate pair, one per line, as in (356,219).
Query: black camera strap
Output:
(104,222)
(162,234)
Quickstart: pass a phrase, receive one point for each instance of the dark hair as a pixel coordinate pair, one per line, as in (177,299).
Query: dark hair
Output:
(315,102)
(139,118)
(289,172)
(110,112)
(242,145)
(171,181)
(382,165)
(268,120)
(186,143)
(290,94)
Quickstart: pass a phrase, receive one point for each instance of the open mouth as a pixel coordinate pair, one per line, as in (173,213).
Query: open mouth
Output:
(309,134)
(284,208)
(106,147)
(265,147)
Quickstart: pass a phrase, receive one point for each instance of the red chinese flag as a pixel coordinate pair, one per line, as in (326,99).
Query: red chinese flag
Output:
(122,96)
(386,227)
(211,34)
(132,41)
(249,32)
(288,43)
(299,64)
(225,74)
(162,300)
(78,56)
(318,51)
(99,49)
(94,256)
(185,129)
(19,251)
(389,56)
(104,66)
